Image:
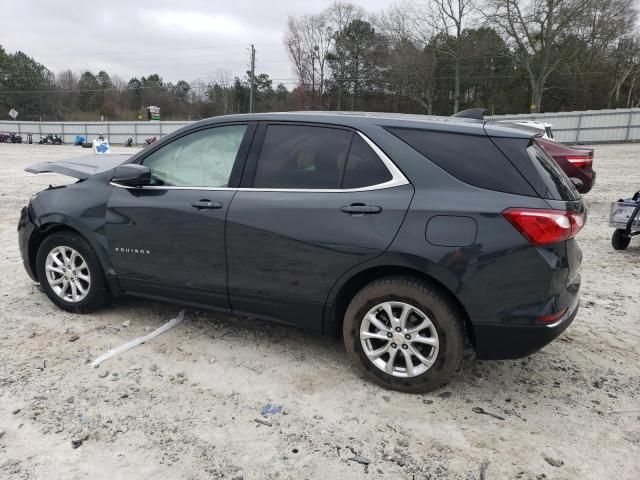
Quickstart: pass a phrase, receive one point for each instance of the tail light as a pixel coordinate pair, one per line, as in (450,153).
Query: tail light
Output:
(544,227)
(579,161)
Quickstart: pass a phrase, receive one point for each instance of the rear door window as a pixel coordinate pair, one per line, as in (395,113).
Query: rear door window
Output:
(302,157)
(310,157)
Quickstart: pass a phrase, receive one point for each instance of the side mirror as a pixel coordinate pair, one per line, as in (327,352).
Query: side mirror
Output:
(577,183)
(132,175)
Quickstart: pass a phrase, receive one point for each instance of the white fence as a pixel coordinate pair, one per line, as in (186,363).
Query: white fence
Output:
(115,132)
(590,126)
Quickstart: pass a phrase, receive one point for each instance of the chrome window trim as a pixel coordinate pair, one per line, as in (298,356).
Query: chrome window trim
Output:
(157,187)
(397,179)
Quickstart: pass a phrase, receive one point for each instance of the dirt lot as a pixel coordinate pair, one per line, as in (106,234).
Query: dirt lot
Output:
(184,405)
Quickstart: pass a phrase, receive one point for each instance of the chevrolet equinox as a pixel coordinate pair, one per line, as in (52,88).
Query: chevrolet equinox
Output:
(414,236)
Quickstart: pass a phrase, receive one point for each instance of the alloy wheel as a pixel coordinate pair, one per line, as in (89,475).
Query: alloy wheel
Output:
(68,274)
(399,339)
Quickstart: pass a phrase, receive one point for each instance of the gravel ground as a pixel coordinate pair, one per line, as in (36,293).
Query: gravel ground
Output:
(187,405)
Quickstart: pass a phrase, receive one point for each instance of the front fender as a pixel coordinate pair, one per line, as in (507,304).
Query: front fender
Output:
(80,207)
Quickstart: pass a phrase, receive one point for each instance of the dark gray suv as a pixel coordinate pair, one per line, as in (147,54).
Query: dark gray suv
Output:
(411,235)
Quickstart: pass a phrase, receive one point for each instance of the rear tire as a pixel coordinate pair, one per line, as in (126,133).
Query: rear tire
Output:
(434,351)
(620,240)
(70,273)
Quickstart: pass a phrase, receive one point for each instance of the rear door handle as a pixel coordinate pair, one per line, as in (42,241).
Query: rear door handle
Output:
(361,209)
(206,205)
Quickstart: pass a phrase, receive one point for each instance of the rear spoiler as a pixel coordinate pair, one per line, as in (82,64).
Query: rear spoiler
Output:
(496,128)
(475,113)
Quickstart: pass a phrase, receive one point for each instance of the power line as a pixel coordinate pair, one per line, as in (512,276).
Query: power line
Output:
(158,62)
(126,52)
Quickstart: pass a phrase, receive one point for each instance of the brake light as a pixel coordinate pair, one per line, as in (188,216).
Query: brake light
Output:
(544,227)
(579,161)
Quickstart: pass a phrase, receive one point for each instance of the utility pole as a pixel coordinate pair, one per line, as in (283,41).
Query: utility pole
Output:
(313,75)
(253,79)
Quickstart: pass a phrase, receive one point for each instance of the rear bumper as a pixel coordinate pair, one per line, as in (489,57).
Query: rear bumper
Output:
(500,341)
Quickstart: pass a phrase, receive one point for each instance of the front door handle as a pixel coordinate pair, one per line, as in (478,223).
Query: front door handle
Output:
(361,209)
(206,205)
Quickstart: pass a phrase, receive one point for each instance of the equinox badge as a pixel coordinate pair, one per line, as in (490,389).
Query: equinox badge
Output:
(137,251)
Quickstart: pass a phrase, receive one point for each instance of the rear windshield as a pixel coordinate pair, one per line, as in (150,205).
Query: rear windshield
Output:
(557,184)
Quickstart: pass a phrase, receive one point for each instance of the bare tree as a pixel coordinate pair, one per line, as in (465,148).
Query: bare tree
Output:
(221,85)
(198,89)
(632,90)
(341,14)
(399,23)
(297,48)
(449,18)
(310,41)
(67,81)
(606,22)
(626,60)
(535,29)
(412,62)
(610,37)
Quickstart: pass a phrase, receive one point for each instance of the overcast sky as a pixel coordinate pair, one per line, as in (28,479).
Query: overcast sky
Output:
(188,39)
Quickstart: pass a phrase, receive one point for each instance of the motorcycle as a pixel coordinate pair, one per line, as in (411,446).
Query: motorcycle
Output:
(149,140)
(50,140)
(15,138)
(4,138)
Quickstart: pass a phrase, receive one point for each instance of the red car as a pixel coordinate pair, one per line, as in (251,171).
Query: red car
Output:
(576,162)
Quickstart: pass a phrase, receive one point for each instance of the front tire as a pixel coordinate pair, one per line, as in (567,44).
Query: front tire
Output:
(70,273)
(404,334)
(620,240)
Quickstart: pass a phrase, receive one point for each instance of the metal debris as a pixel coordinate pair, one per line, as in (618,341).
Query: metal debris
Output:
(358,458)
(137,341)
(482,411)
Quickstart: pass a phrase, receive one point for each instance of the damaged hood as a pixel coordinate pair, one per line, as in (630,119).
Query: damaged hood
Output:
(82,167)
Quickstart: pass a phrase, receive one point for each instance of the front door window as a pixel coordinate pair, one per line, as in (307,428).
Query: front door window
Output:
(201,159)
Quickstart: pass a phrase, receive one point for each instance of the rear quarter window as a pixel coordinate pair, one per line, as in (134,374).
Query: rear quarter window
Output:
(474,159)
(556,182)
